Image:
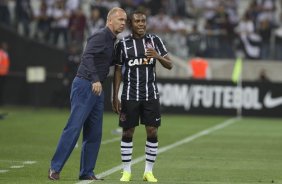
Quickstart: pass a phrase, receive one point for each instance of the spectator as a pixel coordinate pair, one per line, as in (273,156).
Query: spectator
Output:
(246,31)
(265,30)
(210,9)
(180,7)
(130,5)
(97,4)
(4,68)
(104,6)
(24,15)
(109,4)
(199,67)
(278,40)
(231,7)
(43,19)
(5,17)
(225,34)
(253,11)
(177,25)
(50,4)
(95,21)
(77,25)
(194,42)
(155,6)
(159,23)
(60,22)
(267,11)
(72,5)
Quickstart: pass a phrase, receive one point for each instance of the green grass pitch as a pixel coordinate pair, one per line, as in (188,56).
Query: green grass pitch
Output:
(248,151)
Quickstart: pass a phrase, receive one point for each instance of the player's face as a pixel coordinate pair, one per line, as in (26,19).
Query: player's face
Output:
(138,25)
(118,21)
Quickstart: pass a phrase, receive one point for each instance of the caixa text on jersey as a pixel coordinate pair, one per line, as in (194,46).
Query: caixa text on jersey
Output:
(141,61)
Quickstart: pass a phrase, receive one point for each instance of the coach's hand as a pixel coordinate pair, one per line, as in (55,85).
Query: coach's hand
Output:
(116,105)
(97,88)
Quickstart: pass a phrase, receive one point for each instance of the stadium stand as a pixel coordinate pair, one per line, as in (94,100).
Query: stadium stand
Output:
(217,28)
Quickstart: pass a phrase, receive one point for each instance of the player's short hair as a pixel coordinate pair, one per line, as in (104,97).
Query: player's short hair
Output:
(113,11)
(135,12)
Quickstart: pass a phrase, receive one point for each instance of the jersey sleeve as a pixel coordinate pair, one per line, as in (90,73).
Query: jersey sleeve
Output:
(118,59)
(160,47)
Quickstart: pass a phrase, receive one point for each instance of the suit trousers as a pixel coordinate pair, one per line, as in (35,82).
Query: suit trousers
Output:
(87,114)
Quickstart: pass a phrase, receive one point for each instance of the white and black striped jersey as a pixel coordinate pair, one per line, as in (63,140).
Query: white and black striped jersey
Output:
(139,76)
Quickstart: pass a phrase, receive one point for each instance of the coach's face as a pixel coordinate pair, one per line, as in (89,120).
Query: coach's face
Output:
(118,21)
(138,24)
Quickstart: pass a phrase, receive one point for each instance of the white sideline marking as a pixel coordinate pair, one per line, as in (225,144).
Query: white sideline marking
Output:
(29,162)
(16,166)
(166,148)
(23,162)
(11,161)
(106,141)
(111,140)
(3,171)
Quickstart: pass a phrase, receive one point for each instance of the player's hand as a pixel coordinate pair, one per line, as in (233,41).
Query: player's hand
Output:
(151,53)
(97,88)
(116,105)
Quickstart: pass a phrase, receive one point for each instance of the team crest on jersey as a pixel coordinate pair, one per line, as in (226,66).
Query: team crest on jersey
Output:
(149,45)
(141,61)
(122,117)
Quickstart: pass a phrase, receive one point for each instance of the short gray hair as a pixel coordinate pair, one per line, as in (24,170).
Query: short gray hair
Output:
(113,11)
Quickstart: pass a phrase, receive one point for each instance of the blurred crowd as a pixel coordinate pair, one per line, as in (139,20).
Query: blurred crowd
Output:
(210,28)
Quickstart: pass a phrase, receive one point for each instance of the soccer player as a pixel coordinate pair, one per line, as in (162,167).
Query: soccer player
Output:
(138,54)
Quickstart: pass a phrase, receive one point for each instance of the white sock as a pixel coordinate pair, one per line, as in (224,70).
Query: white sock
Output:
(151,150)
(126,149)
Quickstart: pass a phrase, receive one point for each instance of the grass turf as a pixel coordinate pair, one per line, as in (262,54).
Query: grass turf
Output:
(248,151)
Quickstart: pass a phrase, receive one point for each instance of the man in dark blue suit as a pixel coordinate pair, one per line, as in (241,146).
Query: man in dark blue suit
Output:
(87,99)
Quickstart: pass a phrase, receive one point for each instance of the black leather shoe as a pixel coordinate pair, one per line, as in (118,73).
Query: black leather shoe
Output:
(53,175)
(90,178)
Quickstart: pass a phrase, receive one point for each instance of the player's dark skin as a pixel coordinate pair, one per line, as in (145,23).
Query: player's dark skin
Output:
(138,27)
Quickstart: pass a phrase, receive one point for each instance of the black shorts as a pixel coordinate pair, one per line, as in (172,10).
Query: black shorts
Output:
(148,112)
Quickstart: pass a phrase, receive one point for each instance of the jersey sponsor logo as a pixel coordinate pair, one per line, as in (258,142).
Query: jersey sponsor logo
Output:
(141,61)
(271,102)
